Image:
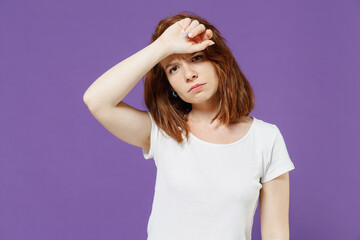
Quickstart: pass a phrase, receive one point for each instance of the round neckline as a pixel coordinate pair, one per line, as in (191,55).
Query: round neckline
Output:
(227,144)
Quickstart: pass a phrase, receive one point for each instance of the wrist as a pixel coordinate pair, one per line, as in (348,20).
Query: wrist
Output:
(163,47)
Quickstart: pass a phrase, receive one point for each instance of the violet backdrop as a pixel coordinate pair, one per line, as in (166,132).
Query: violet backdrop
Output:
(64,176)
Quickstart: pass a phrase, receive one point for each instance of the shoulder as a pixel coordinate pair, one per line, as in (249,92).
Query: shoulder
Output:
(265,130)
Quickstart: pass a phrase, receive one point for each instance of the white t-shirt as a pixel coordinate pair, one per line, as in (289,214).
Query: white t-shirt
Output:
(208,191)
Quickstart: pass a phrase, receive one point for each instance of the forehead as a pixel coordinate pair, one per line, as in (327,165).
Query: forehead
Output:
(174,57)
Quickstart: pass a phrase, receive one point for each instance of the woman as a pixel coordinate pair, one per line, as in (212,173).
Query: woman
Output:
(213,161)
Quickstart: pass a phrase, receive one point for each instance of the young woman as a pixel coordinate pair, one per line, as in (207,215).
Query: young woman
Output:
(213,161)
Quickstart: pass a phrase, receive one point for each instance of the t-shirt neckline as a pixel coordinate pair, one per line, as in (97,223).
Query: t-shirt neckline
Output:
(227,144)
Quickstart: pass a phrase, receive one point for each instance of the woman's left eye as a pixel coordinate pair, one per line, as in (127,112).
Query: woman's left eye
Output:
(198,56)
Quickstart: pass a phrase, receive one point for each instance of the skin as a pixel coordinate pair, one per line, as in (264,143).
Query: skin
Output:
(186,70)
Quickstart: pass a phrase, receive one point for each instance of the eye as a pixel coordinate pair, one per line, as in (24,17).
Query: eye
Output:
(172,69)
(201,56)
(198,57)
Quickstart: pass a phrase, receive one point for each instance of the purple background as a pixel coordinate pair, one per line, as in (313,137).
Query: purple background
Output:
(64,176)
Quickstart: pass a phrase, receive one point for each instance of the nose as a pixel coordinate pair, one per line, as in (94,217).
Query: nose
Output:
(190,73)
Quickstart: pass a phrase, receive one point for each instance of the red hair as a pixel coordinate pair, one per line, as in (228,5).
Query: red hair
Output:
(234,91)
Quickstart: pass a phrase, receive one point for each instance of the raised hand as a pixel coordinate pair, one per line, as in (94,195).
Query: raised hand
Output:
(186,36)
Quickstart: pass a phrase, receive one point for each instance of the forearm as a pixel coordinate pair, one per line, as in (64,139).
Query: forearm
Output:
(111,87)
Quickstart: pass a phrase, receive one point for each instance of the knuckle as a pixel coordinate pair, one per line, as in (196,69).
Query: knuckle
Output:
(200,28)
(196,21)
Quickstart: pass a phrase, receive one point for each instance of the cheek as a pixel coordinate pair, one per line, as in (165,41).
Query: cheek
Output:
(171,82)
(174,82)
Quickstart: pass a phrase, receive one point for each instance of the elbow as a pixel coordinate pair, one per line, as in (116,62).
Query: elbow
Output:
(88,98)
(85,99)
(88,102)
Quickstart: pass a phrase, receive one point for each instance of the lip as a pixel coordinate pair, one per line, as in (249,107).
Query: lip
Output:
(196,85)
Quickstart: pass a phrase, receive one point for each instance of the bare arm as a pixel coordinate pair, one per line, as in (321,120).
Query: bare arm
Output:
(274,208)
(111,87)
(104,96)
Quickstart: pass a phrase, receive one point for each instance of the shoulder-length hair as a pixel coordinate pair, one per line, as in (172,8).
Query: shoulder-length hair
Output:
(170,113)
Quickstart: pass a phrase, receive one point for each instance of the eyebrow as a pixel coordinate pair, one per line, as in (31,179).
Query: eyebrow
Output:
(173,62)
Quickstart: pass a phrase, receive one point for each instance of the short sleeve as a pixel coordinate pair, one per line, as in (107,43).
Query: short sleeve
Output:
(149,153)
(278,160)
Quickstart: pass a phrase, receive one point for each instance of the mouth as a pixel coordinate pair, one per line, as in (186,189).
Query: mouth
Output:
(196,86)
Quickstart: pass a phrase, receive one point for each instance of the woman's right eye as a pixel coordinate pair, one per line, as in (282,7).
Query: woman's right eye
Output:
(172,69)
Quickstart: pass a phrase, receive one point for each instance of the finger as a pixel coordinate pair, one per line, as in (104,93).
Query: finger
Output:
(192,25)
(201,46)
(184,23)
(203,36)
(206,35)
(197,30)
